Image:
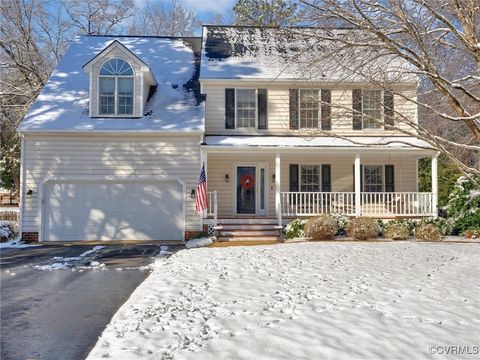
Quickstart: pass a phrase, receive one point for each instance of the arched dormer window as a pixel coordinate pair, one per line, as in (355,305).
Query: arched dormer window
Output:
(116,88)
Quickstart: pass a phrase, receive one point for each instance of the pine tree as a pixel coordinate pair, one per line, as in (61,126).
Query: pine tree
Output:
(272,13)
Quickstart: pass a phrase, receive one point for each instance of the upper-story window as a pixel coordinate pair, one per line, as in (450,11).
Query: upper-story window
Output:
(372,108)
(116,88)
(246,108)
(309,108)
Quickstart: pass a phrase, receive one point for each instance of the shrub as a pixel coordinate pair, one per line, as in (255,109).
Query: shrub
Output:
(8,230)
(428,232)
(323,227)
(397,231)
(362,228)
(463,206)
(408,223)
(342,223)
(295,229)
(444,225)
(9,215)
(472,233)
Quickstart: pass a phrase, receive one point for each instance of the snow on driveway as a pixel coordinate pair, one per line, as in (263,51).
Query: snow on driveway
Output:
(302,301)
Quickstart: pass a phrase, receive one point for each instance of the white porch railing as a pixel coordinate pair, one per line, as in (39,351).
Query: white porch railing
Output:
(315,203)
(212,205)
(371,204)
(396,203)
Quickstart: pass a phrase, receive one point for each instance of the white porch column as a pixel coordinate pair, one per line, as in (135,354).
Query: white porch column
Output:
(358,175)
(435,185)
(203,160)
(278,205)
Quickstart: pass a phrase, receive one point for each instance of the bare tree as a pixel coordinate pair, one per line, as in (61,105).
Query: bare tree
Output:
(156,18)
(31,42)
(98,17)
(437,39)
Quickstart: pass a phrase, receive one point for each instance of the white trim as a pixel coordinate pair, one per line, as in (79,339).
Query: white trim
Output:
(357,186)
(278,203)
(257,166)
(133,77)
(319,101)
(382,120)
(382,166)
(105,178)
(112,132)
(256,111)
(435,184)
(292,82)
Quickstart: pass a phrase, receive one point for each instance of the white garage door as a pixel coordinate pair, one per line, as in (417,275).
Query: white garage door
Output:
(113,210)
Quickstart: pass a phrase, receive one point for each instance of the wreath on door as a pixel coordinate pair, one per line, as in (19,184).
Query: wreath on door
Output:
(247,182)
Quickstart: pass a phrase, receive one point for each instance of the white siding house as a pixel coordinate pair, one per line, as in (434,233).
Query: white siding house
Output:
(112,148)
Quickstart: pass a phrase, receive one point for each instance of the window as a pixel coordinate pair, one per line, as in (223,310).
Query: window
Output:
(116,88)
(309,109)
(309,178)
(372,109)
(373,178)
(246,108)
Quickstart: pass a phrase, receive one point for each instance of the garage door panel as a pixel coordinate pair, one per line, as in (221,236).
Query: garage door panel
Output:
(113,211)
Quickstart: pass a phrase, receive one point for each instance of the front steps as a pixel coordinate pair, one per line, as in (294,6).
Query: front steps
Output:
(247,229)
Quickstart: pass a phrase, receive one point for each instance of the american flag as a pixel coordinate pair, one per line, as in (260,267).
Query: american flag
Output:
(201,200)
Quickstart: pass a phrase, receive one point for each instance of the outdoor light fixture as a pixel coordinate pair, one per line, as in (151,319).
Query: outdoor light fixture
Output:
(30,192)
(273,178)
(227,178)
(192,194)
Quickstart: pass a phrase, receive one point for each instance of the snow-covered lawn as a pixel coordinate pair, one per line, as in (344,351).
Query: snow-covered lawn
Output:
(302,301)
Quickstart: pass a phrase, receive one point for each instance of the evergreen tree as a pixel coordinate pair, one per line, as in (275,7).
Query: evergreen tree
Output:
(273,13)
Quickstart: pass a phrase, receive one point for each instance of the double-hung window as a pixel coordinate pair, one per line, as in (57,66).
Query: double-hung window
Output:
(309,178)
(116,88)
(373,178)
(246,108)
(372,108)
(309,108)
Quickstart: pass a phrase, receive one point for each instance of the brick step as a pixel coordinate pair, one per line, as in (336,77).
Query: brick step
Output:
(247,238)
(237,233)
(247,227)
(256,221)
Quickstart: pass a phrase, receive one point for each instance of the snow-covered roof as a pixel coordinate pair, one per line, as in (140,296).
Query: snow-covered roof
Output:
(174,105)
(363,142)
(245,52)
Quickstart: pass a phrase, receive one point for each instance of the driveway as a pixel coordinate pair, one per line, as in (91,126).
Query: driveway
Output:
(59,314)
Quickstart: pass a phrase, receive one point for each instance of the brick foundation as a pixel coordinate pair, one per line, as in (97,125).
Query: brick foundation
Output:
(190,234)
(29,237)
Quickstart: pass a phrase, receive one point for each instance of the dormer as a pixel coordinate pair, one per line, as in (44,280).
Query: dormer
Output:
(119,83)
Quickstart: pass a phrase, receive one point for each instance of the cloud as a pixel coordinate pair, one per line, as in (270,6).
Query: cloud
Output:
(209,5)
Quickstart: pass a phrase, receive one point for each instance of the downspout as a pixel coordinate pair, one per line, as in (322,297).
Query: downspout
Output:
(22,192)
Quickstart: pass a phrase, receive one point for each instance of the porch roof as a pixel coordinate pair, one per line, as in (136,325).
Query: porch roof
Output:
(330,142)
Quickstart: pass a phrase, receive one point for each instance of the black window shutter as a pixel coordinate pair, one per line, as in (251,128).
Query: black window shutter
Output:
(326,178)
(294,177)
(389,178)
(388,107)
(357,109)
(293,109)
(326,97)
(229,108)
(262,109)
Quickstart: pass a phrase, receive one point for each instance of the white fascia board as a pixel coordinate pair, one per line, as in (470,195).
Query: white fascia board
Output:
(113,132)
(300,149)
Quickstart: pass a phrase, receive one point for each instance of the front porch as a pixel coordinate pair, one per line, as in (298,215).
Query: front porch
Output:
(289,184)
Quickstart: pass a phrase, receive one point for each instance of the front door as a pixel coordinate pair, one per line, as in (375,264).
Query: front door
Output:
(246,186)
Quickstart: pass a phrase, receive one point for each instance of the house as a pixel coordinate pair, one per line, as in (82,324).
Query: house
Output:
(112,147)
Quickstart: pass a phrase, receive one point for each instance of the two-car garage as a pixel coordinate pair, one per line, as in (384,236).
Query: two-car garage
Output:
(126,209)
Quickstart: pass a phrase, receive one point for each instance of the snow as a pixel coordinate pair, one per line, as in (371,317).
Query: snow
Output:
(200,242)
(69,262)
(15,244)
(63,103)
(320,141)
(301,301)
(294,54)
